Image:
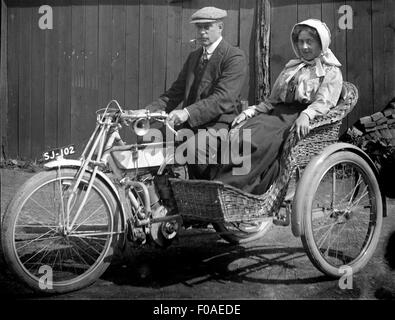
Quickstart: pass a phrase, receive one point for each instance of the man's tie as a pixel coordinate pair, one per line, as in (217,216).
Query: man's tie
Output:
(204,55)
(202,62)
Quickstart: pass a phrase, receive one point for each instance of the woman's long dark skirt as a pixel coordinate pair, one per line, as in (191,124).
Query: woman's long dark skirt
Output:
(268,133)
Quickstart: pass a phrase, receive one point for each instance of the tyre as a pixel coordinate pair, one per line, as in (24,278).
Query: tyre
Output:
(342,213)
(37,246)
(242,232)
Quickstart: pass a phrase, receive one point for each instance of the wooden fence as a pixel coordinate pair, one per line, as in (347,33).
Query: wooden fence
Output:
(131,50)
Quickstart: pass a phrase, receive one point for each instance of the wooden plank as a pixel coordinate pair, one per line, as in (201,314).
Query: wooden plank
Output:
(105,51)
(330,15)
(24,58)
(38,86)
(3,81)
(64,78)
(389,49)
(132,55)
(174,49)
(146,55)
(247,44)
(118,51)
(262,51)
(13,84)
(159,48)
(378,58)
(188,30)
(284,17)
(231,30)
(359,71)
(51,86)
(309,9)
(91,91)
(78,127)
(119,56)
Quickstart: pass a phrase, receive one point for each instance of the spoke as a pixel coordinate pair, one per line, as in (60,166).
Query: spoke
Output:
(350,193)
(35,240)
(41,250)
(94,259)
(88,217)
(47,238)
(96,239)
(42,258)
(53,264)
(82,259)
(337,236)
(355,188)
(71,255)
(364,193)
(90,233)
(53,227)
(91,238)
(92,247)
(324,226)
(354,239)
(50,213)
(325,235)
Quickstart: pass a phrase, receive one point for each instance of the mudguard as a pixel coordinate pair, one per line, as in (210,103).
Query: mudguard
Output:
(297,207)
(70,163)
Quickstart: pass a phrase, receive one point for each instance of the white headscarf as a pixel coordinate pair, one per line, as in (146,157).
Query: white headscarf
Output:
(326,55)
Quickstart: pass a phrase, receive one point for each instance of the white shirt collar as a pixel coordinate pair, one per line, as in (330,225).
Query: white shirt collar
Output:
(213,46)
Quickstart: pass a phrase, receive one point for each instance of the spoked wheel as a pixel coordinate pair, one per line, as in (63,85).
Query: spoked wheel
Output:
(342,214)
(39,247)
(242,232)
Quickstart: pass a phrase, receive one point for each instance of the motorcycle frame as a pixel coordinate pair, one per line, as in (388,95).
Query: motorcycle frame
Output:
(104,140)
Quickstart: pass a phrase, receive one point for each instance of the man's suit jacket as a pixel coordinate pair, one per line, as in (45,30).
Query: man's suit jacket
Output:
(218,93)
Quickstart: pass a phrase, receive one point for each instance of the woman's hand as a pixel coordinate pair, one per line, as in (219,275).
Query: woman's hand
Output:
(302,125)
(247,113)
(240,118)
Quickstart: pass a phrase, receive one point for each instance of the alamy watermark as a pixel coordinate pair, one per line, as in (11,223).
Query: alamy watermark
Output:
(345,20)
(46,280)
(206,146)
(46,20)
(346,280)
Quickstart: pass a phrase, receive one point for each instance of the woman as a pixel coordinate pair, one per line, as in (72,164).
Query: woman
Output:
(308,86)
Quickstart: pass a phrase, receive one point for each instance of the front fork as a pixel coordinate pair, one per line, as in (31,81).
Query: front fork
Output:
(96,141)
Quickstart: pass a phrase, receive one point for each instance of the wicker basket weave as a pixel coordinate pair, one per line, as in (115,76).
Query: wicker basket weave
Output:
(214,201)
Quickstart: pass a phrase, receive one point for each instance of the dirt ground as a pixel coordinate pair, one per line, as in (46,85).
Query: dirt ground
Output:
(202,266)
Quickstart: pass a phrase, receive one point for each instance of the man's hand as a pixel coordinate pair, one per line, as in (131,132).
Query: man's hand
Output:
(302,125)
(178,117)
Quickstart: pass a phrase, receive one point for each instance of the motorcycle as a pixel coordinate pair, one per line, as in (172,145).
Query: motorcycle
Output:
(65,224)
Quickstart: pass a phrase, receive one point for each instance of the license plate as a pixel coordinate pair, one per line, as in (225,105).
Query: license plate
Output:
(59,152)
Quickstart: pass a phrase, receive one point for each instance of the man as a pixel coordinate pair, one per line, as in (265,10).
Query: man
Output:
(209,83)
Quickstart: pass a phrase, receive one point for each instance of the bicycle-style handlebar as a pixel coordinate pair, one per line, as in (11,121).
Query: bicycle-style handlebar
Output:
(143,114)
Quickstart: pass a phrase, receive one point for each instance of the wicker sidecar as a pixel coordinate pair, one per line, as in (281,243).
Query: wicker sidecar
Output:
(336,206)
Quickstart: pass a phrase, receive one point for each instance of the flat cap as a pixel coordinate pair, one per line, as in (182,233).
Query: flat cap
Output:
(208,14)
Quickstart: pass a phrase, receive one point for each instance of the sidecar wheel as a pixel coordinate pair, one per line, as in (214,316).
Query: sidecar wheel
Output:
(342,213)
(39,250)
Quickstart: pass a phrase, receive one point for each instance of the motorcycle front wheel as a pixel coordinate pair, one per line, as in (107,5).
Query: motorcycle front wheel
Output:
(38,247)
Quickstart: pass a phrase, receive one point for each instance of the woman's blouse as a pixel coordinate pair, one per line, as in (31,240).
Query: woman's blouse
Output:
(320,93)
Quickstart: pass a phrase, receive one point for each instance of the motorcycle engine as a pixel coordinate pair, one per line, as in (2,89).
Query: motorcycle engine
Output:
(162,204)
